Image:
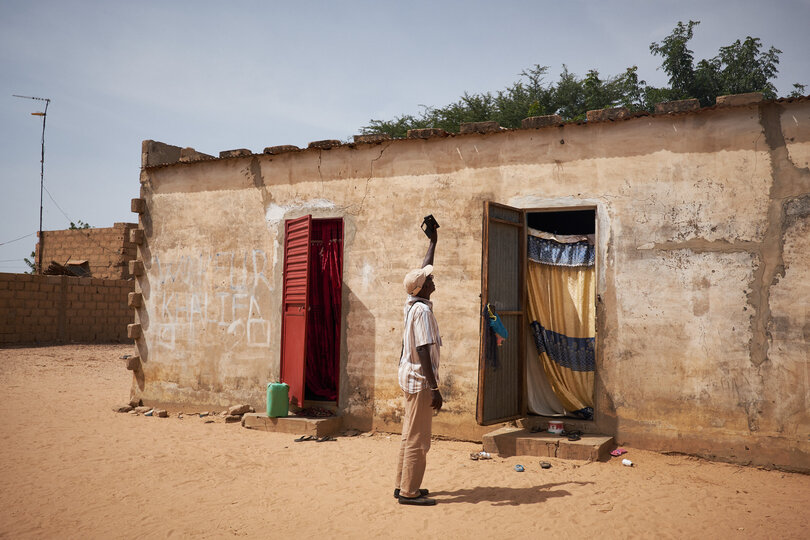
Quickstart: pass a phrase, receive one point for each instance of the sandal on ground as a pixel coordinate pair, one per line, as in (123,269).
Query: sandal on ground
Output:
(417,501)
(422,493)
(303,438)
(326,438)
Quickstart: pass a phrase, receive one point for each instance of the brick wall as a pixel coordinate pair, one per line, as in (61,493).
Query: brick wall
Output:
(107,250)
(62,309)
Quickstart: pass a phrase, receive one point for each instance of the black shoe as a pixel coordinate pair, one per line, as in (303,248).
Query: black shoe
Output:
(417,501)
(422,493)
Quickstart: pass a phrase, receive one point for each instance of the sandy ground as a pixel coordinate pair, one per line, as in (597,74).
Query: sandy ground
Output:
(72,468)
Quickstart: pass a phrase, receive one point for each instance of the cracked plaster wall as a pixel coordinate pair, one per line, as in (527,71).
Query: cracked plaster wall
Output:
(702,315)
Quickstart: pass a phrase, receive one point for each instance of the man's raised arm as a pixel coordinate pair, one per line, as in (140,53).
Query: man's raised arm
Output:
(431,249)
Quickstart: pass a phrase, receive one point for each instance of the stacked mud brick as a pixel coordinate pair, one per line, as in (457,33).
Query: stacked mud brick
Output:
(135,298)
(62,309)
(107,251)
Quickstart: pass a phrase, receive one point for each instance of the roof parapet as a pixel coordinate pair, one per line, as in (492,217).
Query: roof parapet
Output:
(534,122)
(239,152)
(155,153)
(604,115)
(188,155)
(737,100)
(480,127)
(280,149)
(158,153)
(681,105)
(426,133)
(372,138)
(325,144)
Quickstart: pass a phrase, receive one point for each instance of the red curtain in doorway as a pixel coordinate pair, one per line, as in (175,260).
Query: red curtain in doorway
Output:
(323,331)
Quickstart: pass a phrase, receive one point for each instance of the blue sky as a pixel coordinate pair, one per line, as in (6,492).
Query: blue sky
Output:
(248,74)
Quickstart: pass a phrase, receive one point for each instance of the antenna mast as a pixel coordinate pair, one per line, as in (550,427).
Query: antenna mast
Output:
(44,115)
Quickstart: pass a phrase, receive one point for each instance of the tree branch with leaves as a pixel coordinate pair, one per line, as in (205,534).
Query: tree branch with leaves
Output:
(744,66)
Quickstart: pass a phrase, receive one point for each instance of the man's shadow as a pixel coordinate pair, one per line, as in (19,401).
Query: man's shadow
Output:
(505,496)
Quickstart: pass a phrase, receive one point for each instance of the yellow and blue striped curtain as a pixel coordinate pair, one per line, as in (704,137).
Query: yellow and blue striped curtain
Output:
(562,311)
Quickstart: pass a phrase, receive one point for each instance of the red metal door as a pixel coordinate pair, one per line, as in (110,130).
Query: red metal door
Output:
(295,303)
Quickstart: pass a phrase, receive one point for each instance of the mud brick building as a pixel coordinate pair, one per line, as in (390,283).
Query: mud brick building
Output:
(68,309)
(101,253)
(698,222)
(63,309)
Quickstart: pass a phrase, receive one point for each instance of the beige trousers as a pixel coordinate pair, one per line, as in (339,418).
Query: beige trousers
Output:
(413,449)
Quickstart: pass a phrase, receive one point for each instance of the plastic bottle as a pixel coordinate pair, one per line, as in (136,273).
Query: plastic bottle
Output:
(627,463)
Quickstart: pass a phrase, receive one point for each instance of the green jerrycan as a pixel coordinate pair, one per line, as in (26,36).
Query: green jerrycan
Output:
(278,399)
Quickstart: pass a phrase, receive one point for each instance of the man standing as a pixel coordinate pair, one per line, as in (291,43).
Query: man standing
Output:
(418,378)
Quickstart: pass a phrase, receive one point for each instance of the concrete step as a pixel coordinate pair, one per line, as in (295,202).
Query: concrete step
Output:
(296,425)
(513,441)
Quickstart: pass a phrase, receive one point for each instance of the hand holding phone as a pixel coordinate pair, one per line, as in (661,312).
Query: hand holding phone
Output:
(429,226)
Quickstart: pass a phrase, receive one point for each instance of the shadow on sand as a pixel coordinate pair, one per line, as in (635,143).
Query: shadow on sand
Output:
(505,496)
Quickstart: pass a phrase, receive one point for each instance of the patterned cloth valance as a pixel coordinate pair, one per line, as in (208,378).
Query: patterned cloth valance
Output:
(553,251)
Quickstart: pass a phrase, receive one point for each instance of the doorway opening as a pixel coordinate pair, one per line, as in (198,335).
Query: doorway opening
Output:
(568,222)
(561,313)
(311,310)
(539,278)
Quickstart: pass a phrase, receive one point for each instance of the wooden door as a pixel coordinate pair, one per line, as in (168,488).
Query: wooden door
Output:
(501,392)
(295,304)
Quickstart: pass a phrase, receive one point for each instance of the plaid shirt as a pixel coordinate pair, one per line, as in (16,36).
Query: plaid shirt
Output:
(421,328)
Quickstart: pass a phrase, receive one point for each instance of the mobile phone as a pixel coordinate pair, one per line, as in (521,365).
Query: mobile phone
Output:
(429,224)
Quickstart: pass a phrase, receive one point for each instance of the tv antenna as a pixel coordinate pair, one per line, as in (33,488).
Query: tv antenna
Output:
(44,115)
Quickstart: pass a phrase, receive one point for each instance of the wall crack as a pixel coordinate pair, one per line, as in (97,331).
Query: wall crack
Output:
(368,185)
(788,183)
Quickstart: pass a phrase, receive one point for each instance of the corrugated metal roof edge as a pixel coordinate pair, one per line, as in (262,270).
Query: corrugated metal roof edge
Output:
(624,118)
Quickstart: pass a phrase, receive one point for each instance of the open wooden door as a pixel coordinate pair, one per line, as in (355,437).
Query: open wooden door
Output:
(501,387)
(295,304)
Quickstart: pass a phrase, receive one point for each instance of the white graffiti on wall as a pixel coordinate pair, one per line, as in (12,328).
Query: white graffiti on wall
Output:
(211,297)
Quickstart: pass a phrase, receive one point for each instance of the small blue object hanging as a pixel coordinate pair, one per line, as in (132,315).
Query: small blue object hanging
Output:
(496,324)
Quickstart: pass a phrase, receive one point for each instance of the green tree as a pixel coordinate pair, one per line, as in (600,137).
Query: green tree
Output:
(798,90)
(569,96)
(678,61)
(81,225)
(740,67)
(32,265)
(745,67)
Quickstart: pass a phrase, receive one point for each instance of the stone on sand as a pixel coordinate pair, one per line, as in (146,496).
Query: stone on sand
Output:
(239,410)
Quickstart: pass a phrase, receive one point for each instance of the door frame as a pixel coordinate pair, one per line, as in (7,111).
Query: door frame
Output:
(293,354)
(523,273)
